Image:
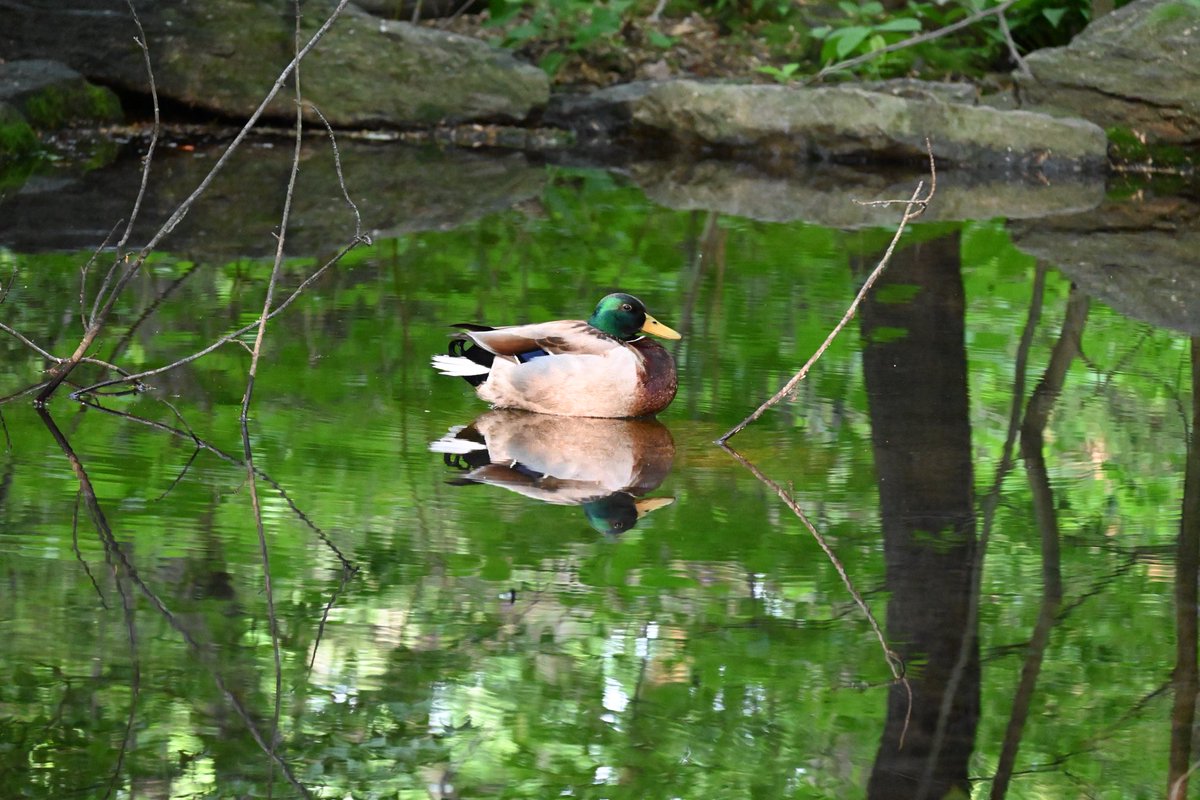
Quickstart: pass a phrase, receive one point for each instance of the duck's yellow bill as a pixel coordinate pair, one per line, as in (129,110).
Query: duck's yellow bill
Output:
(648,504)
(656,328)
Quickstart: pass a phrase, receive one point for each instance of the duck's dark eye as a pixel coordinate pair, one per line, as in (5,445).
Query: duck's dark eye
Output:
(626,307)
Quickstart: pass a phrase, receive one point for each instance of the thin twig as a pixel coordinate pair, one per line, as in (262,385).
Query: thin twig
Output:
(99,318)
(79,555)
(8,286)
(182,473)
(920,38)
(22,392)
(337,167)
(104,529)
(147,160)
(1011,43)
(29,343)
(149,310)
(247,450)
(894,660)
(83,275)
(229,337)
(914,207)
(186,433)
(155,131)
(347,574)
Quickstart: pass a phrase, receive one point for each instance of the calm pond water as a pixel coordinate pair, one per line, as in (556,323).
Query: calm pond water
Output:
(629,611)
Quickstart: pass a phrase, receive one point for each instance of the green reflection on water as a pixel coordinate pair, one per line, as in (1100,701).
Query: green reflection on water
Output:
(499,644)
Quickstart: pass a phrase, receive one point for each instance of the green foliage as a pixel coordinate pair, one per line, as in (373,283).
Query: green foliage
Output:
(1128,147)
(740,12)
(782,74)
(17,138)
(579,24)
(865,30)
(811,38)
(58,107)
(1173,13)
(1045,23)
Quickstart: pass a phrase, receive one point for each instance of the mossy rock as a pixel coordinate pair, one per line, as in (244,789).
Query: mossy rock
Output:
(64,106)
(17,138)
(51,95)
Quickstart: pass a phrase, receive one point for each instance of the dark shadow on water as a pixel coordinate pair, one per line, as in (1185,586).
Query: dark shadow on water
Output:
(604,466)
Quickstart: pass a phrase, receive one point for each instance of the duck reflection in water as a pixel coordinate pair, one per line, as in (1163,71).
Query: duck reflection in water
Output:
(603,465)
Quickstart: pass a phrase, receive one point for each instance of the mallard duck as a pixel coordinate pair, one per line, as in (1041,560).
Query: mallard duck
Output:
(604,367)
(604,466)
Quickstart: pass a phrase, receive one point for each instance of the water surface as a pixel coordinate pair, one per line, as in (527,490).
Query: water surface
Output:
(448,633)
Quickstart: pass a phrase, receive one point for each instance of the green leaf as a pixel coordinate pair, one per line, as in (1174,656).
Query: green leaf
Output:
(552,62)
(661,40)
(1054,15)
(500,11)
(906,24)
(781,74)
(847,40)
(522,33)
(605,21)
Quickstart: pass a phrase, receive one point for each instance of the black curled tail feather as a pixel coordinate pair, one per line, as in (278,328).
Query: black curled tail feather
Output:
(465,348)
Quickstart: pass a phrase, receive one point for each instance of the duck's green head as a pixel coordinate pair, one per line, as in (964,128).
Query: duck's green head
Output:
(624,316)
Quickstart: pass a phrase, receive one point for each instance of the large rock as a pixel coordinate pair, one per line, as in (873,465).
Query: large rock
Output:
(50,95)
(1138,67)
(766,123)
(1138,258)
(223,55)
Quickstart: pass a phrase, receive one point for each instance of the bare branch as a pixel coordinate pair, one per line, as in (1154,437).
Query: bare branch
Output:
(914,207)
(894,660)
(99,318)
(121,559)
(233,335)
(154,133)
(147,159)
(11,280)
(337,166)
(1013,53)
(247,450)
(83,275)
(29,343)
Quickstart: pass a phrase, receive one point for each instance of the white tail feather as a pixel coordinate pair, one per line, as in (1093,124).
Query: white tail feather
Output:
(451,444)
(458,367)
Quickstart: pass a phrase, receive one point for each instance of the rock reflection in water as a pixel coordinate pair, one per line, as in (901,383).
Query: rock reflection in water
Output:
(603,465)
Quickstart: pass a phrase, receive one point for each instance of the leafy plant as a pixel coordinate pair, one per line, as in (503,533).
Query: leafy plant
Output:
(781,74)
(869,29)
(581,22)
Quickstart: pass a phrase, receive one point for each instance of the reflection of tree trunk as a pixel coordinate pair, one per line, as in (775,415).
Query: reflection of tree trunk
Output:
(916,376)
(1033,426)
(1187,557)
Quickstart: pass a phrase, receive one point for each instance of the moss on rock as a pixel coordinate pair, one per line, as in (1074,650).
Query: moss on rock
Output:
(63,105)
(17,138)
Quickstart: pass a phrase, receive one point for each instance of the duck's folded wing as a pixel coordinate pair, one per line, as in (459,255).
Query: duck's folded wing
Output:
(566,336)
